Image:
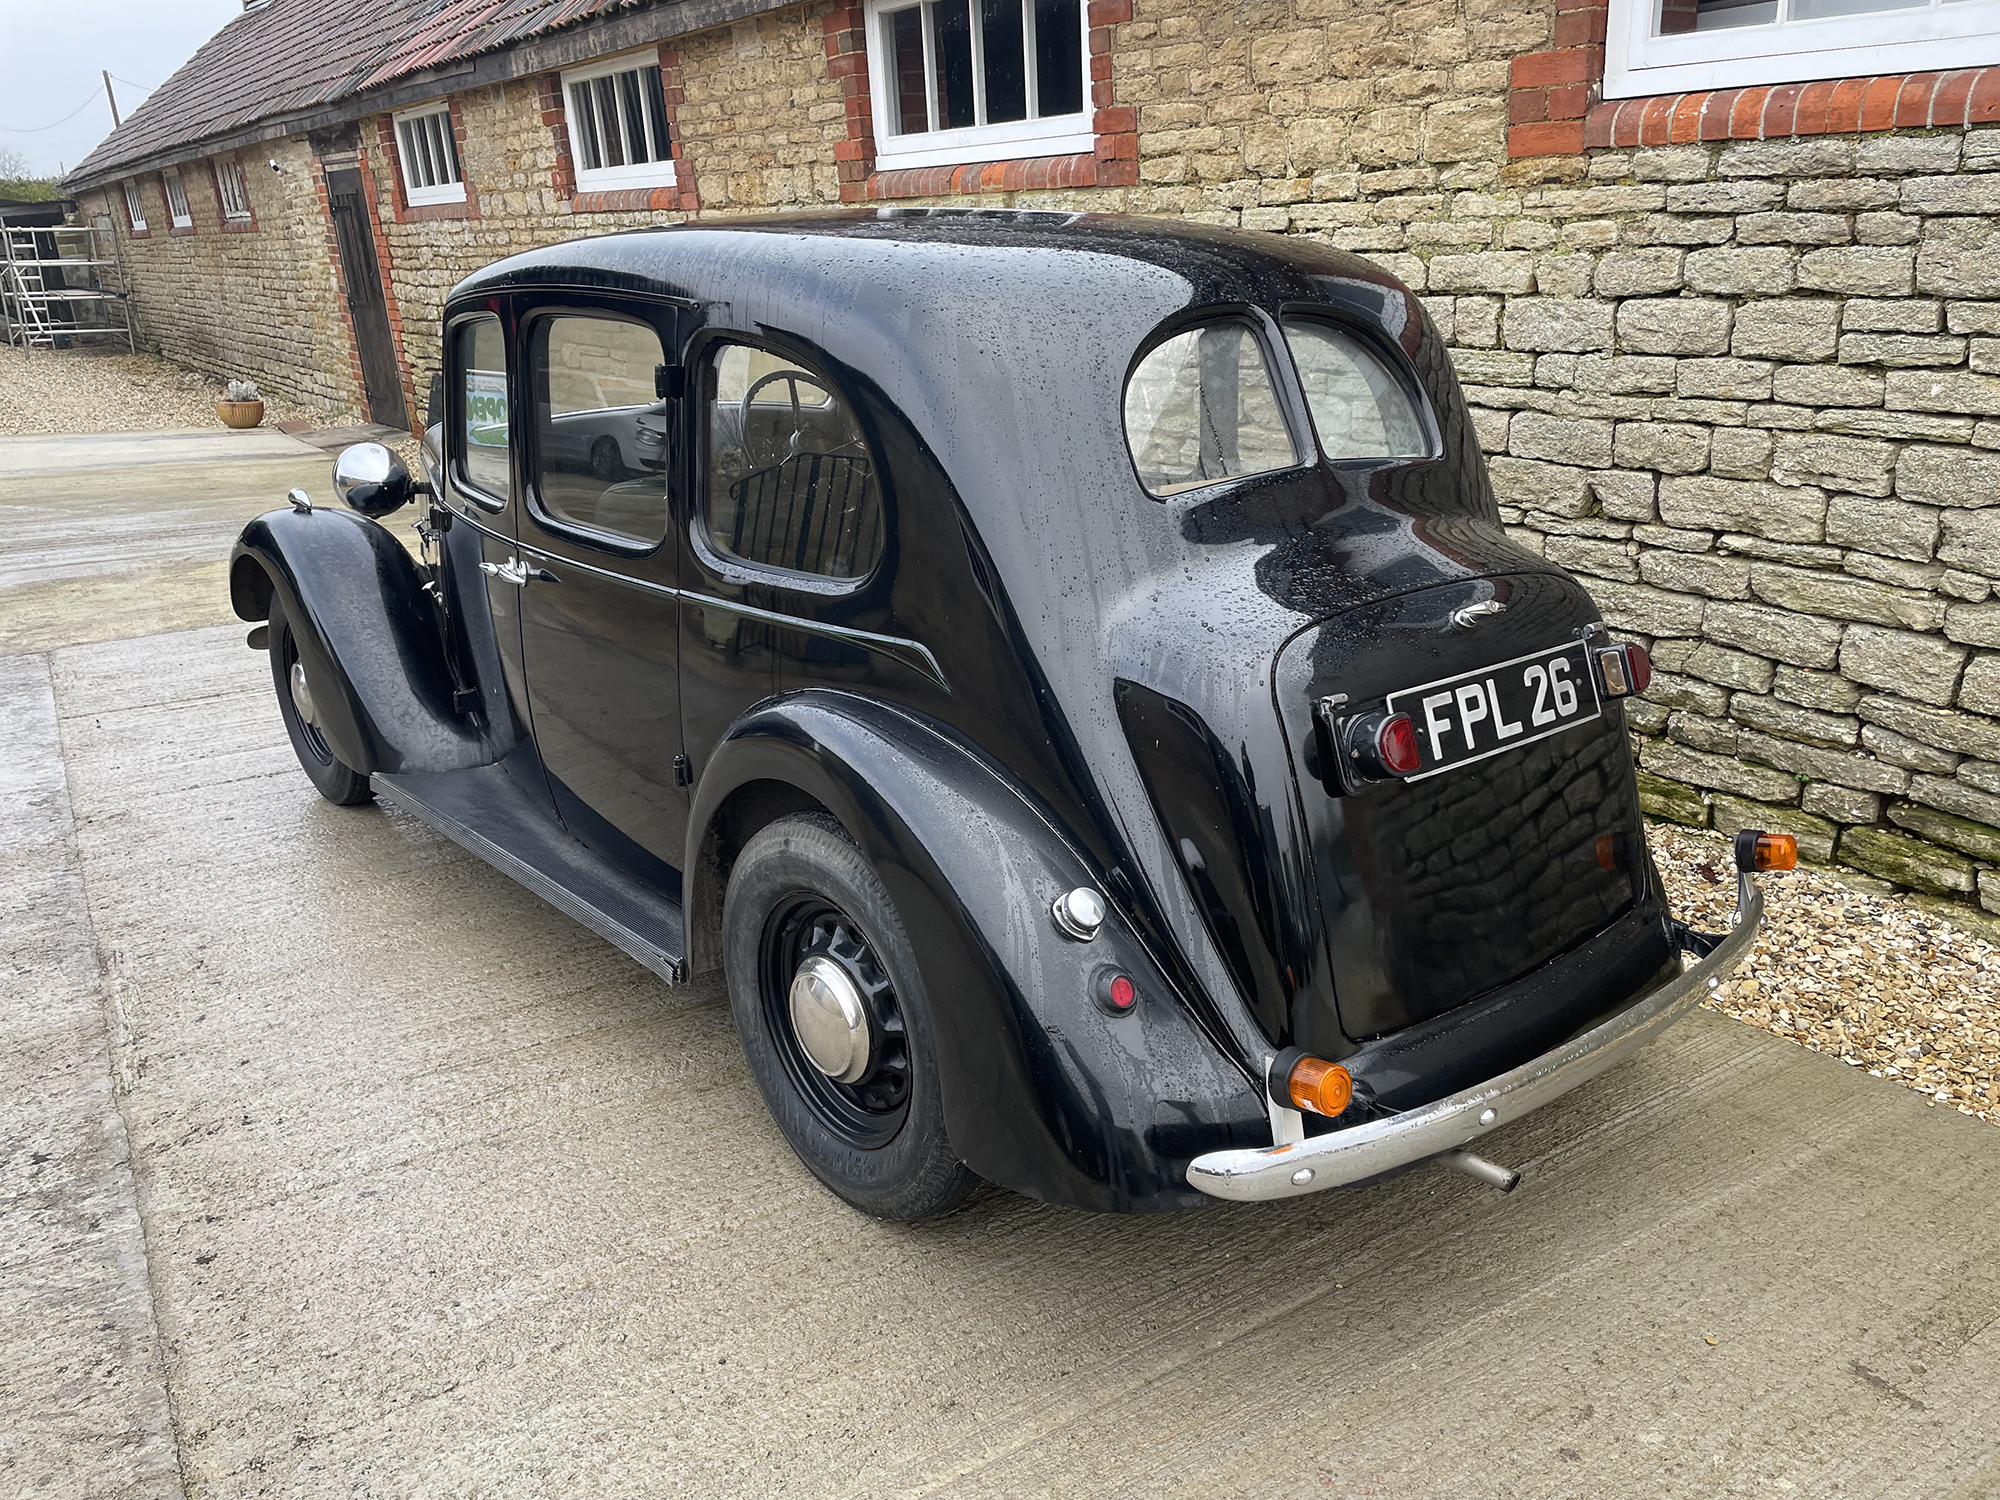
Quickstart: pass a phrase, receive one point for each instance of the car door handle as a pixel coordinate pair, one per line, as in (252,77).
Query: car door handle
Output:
(516,572)
(513,571)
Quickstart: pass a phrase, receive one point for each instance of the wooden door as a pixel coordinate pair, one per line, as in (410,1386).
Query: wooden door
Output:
(368,309)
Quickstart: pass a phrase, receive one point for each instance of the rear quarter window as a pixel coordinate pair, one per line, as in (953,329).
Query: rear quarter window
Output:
(1201,407)
(1360,409)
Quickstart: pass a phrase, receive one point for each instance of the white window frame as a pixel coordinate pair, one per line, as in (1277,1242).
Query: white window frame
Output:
(172,186)
(406,123)
(1052,135)
(640,174)
(1937,36)
(135,206)
(233,188)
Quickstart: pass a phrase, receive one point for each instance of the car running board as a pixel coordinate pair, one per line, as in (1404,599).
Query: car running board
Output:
(485,811)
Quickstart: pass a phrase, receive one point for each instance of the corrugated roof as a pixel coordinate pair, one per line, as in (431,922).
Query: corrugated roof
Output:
(293,55)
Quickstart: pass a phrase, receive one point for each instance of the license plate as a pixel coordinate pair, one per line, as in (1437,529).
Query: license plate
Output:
(1499,708)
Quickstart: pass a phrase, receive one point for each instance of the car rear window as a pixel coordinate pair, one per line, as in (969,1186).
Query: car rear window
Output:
(1201,407)
(791,483)
(1359,408)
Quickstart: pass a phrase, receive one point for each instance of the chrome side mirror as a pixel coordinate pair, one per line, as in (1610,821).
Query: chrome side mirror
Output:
(371,479)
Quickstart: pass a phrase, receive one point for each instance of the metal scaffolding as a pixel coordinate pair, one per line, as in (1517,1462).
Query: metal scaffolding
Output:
(57,288)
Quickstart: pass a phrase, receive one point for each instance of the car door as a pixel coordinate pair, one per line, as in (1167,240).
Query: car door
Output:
(783,583)
(480,493)
(600,616)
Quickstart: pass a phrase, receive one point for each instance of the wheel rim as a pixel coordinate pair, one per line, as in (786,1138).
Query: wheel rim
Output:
(807,936)
(309,736)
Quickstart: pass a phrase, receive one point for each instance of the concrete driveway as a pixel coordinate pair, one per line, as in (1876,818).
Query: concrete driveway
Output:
(334,1164)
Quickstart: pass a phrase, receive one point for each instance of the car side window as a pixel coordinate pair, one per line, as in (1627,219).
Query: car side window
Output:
(1359,407)
(600,427)
(1201,407)
(479,355)
(791,482)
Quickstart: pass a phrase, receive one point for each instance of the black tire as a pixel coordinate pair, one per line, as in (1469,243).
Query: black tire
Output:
(606,462)
(801,889)
(336,781)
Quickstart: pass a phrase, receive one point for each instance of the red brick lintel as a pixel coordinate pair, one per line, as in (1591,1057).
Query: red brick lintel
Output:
(627,200)
(1552,108)
(1912,101)
(996,177)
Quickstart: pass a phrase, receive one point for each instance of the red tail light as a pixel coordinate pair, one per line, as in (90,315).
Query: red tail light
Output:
(1623,671)
(1639,667)
(1396,745)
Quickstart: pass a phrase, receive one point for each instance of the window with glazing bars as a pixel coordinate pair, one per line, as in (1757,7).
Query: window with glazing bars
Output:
(960,64)
(620,119)
(430,154)
(135,208)
(177,200)
(234,190)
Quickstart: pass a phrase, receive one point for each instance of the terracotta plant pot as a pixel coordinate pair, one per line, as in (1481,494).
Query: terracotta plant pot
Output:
(240,413)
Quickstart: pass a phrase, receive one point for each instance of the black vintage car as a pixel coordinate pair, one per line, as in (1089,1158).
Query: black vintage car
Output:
(1067,671)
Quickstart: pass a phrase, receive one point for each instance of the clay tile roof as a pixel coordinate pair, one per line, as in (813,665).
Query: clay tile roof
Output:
(293,55)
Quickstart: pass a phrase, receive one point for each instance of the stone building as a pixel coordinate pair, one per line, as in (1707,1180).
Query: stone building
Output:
(1728,310)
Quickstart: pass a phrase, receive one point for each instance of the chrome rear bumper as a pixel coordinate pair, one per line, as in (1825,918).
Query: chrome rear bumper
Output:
(1254,1174)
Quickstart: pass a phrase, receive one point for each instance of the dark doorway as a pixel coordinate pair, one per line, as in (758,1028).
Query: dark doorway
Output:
(354,233)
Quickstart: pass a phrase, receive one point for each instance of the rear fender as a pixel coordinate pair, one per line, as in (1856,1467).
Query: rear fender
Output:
(1044,1091)
(367,634)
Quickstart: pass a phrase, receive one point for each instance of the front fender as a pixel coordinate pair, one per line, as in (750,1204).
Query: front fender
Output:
(367,633)
(1044,1092)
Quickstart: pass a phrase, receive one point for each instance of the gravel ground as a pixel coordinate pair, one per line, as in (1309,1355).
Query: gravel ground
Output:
(1876,981)
(86,390)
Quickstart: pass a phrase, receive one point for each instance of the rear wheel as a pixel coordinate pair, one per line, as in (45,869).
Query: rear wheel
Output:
(835,1022)
(606,462)
(337,781)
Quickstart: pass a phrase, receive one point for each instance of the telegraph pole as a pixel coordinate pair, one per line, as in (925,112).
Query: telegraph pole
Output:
(115,121)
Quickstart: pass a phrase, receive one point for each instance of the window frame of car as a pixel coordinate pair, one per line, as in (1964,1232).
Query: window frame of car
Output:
(534,309)
(701,355)
(1641,59)
(407,124)
(1284,385)
(661,171)
(454,426)
(1389,357)
(1035,136)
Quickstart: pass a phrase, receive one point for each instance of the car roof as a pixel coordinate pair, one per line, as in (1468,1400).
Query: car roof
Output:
(931,241)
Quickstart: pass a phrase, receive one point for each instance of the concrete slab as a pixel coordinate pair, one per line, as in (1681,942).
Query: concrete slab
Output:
(110,552)
(333,439)
(60,453)
(83,1400)
(441,1195)
(445,1195)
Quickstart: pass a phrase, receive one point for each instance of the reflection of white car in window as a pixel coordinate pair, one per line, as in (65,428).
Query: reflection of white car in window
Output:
(615,443)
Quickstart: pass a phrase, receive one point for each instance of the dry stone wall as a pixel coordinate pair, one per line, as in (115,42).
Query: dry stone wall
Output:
(261,303)
(1748,392)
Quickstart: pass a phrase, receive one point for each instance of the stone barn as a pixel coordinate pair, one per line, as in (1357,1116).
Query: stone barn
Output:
(1723,277)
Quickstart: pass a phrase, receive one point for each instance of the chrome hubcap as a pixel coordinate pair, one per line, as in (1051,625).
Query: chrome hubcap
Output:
(302,697)
(829,1019)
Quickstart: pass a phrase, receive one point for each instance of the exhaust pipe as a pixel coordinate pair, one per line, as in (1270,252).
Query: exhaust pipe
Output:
(1491,1173)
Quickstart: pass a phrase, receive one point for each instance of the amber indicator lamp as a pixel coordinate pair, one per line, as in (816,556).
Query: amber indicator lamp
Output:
(1301,1081)
(1763,852)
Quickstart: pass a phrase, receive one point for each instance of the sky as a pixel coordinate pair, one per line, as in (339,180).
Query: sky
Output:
(50,55)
